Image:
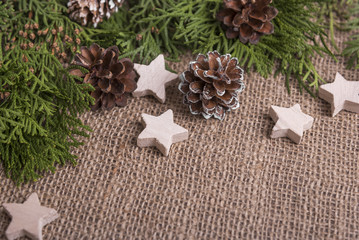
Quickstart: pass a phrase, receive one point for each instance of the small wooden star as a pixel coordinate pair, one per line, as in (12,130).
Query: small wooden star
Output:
(161,132)
(154,79)
(290,122)
(28,219)
(342,94)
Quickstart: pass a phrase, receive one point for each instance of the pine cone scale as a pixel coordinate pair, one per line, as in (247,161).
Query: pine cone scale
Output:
(87,55)
(256,24)
(104,85)
(81,61)
(209,92)
(233,69)
(188,77)
(220,87)
(213,60)
(270,12)
(97,93)
(107,59)
(231,33)
(200,73)
(127,66)
(196,108)
(108,101)
(93,80)
(76,72)
(193,98)
(121,101)
(196,87)
(235,5)
(117,68)
(233,86)
(209,105)
(117,87)
(183,87)
(267,28)
(202,61)
(129,83)
(226,98)
(246,31)
(96,51)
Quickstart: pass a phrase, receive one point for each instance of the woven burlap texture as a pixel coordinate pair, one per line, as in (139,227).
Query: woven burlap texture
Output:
(229,180)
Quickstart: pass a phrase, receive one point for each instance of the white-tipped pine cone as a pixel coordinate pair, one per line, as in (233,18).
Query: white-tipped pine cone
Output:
(212,84)
(92,11)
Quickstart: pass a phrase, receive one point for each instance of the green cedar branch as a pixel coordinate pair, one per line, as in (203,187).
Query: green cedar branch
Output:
(39,121)
(145,28)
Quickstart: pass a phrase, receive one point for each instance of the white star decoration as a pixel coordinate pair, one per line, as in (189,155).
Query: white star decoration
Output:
(28,219)
(290,122)
(342,94)
(154,79)
(161,132)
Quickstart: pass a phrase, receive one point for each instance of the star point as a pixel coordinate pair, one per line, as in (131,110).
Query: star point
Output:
(161,132)
(290,122)
(153,79)
(341,94)
(28,218)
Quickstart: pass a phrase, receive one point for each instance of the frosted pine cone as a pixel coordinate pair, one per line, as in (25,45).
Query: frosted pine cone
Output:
(247,20)
(212,84)
(92,11)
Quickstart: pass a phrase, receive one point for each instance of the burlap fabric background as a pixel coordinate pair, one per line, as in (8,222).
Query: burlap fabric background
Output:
(228,181)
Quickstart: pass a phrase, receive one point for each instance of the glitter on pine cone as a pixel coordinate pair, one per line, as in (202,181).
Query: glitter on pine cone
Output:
(92,11)
(113,79)
(212,84)
(247,20)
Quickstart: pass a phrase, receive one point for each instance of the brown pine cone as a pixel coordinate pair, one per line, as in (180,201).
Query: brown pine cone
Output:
(112,78)
(247,19)
(92,11)
(211,85)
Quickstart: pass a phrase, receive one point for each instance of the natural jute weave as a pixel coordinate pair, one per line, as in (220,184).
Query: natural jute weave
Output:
(229,180)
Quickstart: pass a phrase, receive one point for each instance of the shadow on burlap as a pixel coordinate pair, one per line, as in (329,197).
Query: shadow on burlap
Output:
(228,180)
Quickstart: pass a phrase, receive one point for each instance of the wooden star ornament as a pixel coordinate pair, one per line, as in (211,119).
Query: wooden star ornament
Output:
(342,94)
(154,79)
(161,132)
(28,219)
(290,122)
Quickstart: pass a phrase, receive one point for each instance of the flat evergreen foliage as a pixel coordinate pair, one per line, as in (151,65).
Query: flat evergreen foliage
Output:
(39,119)
(145,28)
(352,49)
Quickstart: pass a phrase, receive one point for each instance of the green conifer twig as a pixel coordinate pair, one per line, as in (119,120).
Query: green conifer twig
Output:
(145,28)
(39,121)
